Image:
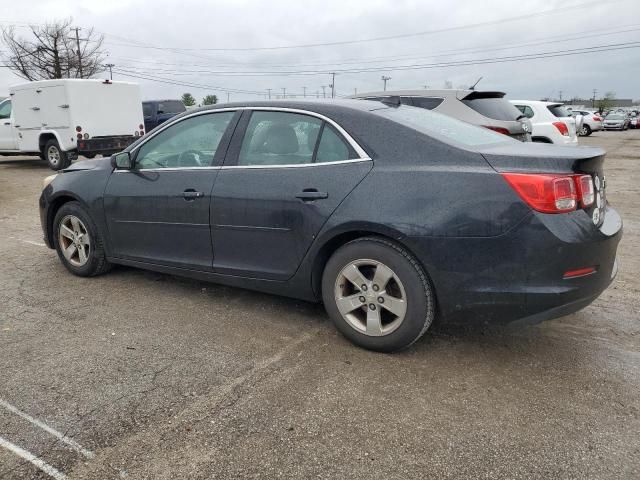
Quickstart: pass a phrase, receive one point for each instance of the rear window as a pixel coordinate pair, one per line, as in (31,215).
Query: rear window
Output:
(494,108)
(559,111)
(147,109)
(171,106)
(442,127)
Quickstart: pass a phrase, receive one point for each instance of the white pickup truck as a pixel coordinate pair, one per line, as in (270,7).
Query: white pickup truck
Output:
(61,119)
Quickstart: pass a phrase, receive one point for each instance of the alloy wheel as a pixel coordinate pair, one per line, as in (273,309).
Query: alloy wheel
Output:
(370,297)
(74,241)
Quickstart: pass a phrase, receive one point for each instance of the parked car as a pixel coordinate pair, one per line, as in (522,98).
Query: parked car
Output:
(389,215)
(551,122)
(592,122)
(616,121)
(59,119)
(486,109)
(157,112)
(633,121)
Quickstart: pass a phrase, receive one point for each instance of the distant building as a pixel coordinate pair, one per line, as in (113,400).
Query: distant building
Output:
(588,103)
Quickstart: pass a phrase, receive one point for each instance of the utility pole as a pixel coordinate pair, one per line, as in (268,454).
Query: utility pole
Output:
(560,93)
(228,97)
(284,92)
(426,87)
(593,100)
(77,29)
(110,66)
(269,92)
(385,79)
(355,91)
(324,93)
(333,85)
(304,92)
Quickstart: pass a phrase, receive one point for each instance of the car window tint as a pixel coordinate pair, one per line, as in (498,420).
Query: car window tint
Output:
(5,109)
(494,108)
(559,111)
(333,147)
(279,138)
(171,106)
(442,127)
(191,142)
(147,109)
(427,102)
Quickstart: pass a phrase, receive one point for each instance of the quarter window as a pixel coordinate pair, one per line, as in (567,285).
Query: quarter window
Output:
(427,102)
(332,147)
(526,110)
(191,142)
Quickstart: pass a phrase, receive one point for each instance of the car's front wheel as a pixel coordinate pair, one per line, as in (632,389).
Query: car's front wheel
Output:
(377,294)
(78,241)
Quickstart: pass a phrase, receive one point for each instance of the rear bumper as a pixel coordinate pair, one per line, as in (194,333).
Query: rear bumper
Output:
(105,145)
(518,276)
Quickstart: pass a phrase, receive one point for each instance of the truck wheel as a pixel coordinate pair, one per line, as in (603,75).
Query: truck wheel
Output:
(55,157)
(89,155)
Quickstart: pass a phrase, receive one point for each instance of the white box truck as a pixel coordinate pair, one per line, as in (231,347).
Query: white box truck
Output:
(61,119)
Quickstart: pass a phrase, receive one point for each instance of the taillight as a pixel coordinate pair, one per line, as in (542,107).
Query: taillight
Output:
(579,272)
(78,129)
(597,119)
(141,132)
(502,130)
(141,126)
(562,128)
(545,193)
(586,192)
(550,193)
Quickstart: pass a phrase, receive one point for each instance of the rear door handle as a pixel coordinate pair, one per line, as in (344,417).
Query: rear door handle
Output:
(191,194)
(311,194)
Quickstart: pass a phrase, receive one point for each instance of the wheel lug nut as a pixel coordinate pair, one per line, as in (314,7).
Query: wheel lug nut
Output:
(364,287)
(362,299)
(376,288)
(372,306)
(380,300)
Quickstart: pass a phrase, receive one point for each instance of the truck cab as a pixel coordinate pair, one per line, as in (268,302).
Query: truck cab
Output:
(157,112)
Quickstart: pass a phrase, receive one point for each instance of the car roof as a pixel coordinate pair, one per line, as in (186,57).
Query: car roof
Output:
(536,102)
(319,106)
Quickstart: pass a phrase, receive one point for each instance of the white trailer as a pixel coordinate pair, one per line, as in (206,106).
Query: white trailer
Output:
(59,119)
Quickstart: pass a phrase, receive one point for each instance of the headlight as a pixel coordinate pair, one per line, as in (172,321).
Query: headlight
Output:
(48,180)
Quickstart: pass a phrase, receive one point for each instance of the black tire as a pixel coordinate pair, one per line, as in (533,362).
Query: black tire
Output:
(585,131)
(96,263)
(420,299)
(55,157)
(89,155)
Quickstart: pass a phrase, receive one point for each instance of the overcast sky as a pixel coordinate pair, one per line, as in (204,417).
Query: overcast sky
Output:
(197,25)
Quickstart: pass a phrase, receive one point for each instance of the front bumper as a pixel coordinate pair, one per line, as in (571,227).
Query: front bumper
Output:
(518,276)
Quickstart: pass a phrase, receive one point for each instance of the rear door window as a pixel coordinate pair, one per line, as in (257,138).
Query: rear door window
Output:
(427,102)
(494,108)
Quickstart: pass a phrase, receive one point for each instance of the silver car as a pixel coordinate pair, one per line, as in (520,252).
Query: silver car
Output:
(616,121)
(486,109)
(592,122)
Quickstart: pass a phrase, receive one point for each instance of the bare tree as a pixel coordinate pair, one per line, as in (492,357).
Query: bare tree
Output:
(56,50)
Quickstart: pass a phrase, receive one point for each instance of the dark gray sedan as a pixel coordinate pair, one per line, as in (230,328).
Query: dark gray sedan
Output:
(390,215)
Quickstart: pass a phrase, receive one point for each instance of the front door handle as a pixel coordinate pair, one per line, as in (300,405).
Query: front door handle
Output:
(311,194)
(191,194)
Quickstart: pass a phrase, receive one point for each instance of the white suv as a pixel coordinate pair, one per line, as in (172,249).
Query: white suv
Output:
(551,122)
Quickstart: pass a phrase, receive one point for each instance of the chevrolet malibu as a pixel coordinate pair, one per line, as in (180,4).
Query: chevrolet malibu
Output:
(390,215)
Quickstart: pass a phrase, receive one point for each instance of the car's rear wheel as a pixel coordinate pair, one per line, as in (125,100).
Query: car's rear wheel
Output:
(377,294)
(585,131)
(55,156)
(78,242)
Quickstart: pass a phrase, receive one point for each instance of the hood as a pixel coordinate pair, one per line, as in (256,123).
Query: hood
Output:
(89,164)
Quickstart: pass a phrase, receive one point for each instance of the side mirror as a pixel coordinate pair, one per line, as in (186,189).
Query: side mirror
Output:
(122,161)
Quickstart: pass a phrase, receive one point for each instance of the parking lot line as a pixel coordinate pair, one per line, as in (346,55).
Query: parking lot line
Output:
(31,242)
(30,457)
(63,438)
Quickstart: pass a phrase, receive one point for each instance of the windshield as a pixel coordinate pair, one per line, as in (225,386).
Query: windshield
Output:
(442,127)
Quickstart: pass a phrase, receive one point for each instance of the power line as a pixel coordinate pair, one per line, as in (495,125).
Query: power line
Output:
(528,16)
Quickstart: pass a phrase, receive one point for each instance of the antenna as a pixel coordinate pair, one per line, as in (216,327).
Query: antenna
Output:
(473,87)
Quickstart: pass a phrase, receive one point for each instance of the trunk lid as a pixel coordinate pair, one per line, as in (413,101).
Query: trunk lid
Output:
(542,158)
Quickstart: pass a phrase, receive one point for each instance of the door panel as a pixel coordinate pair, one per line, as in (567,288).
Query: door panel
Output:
(159,211)
(259,226)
